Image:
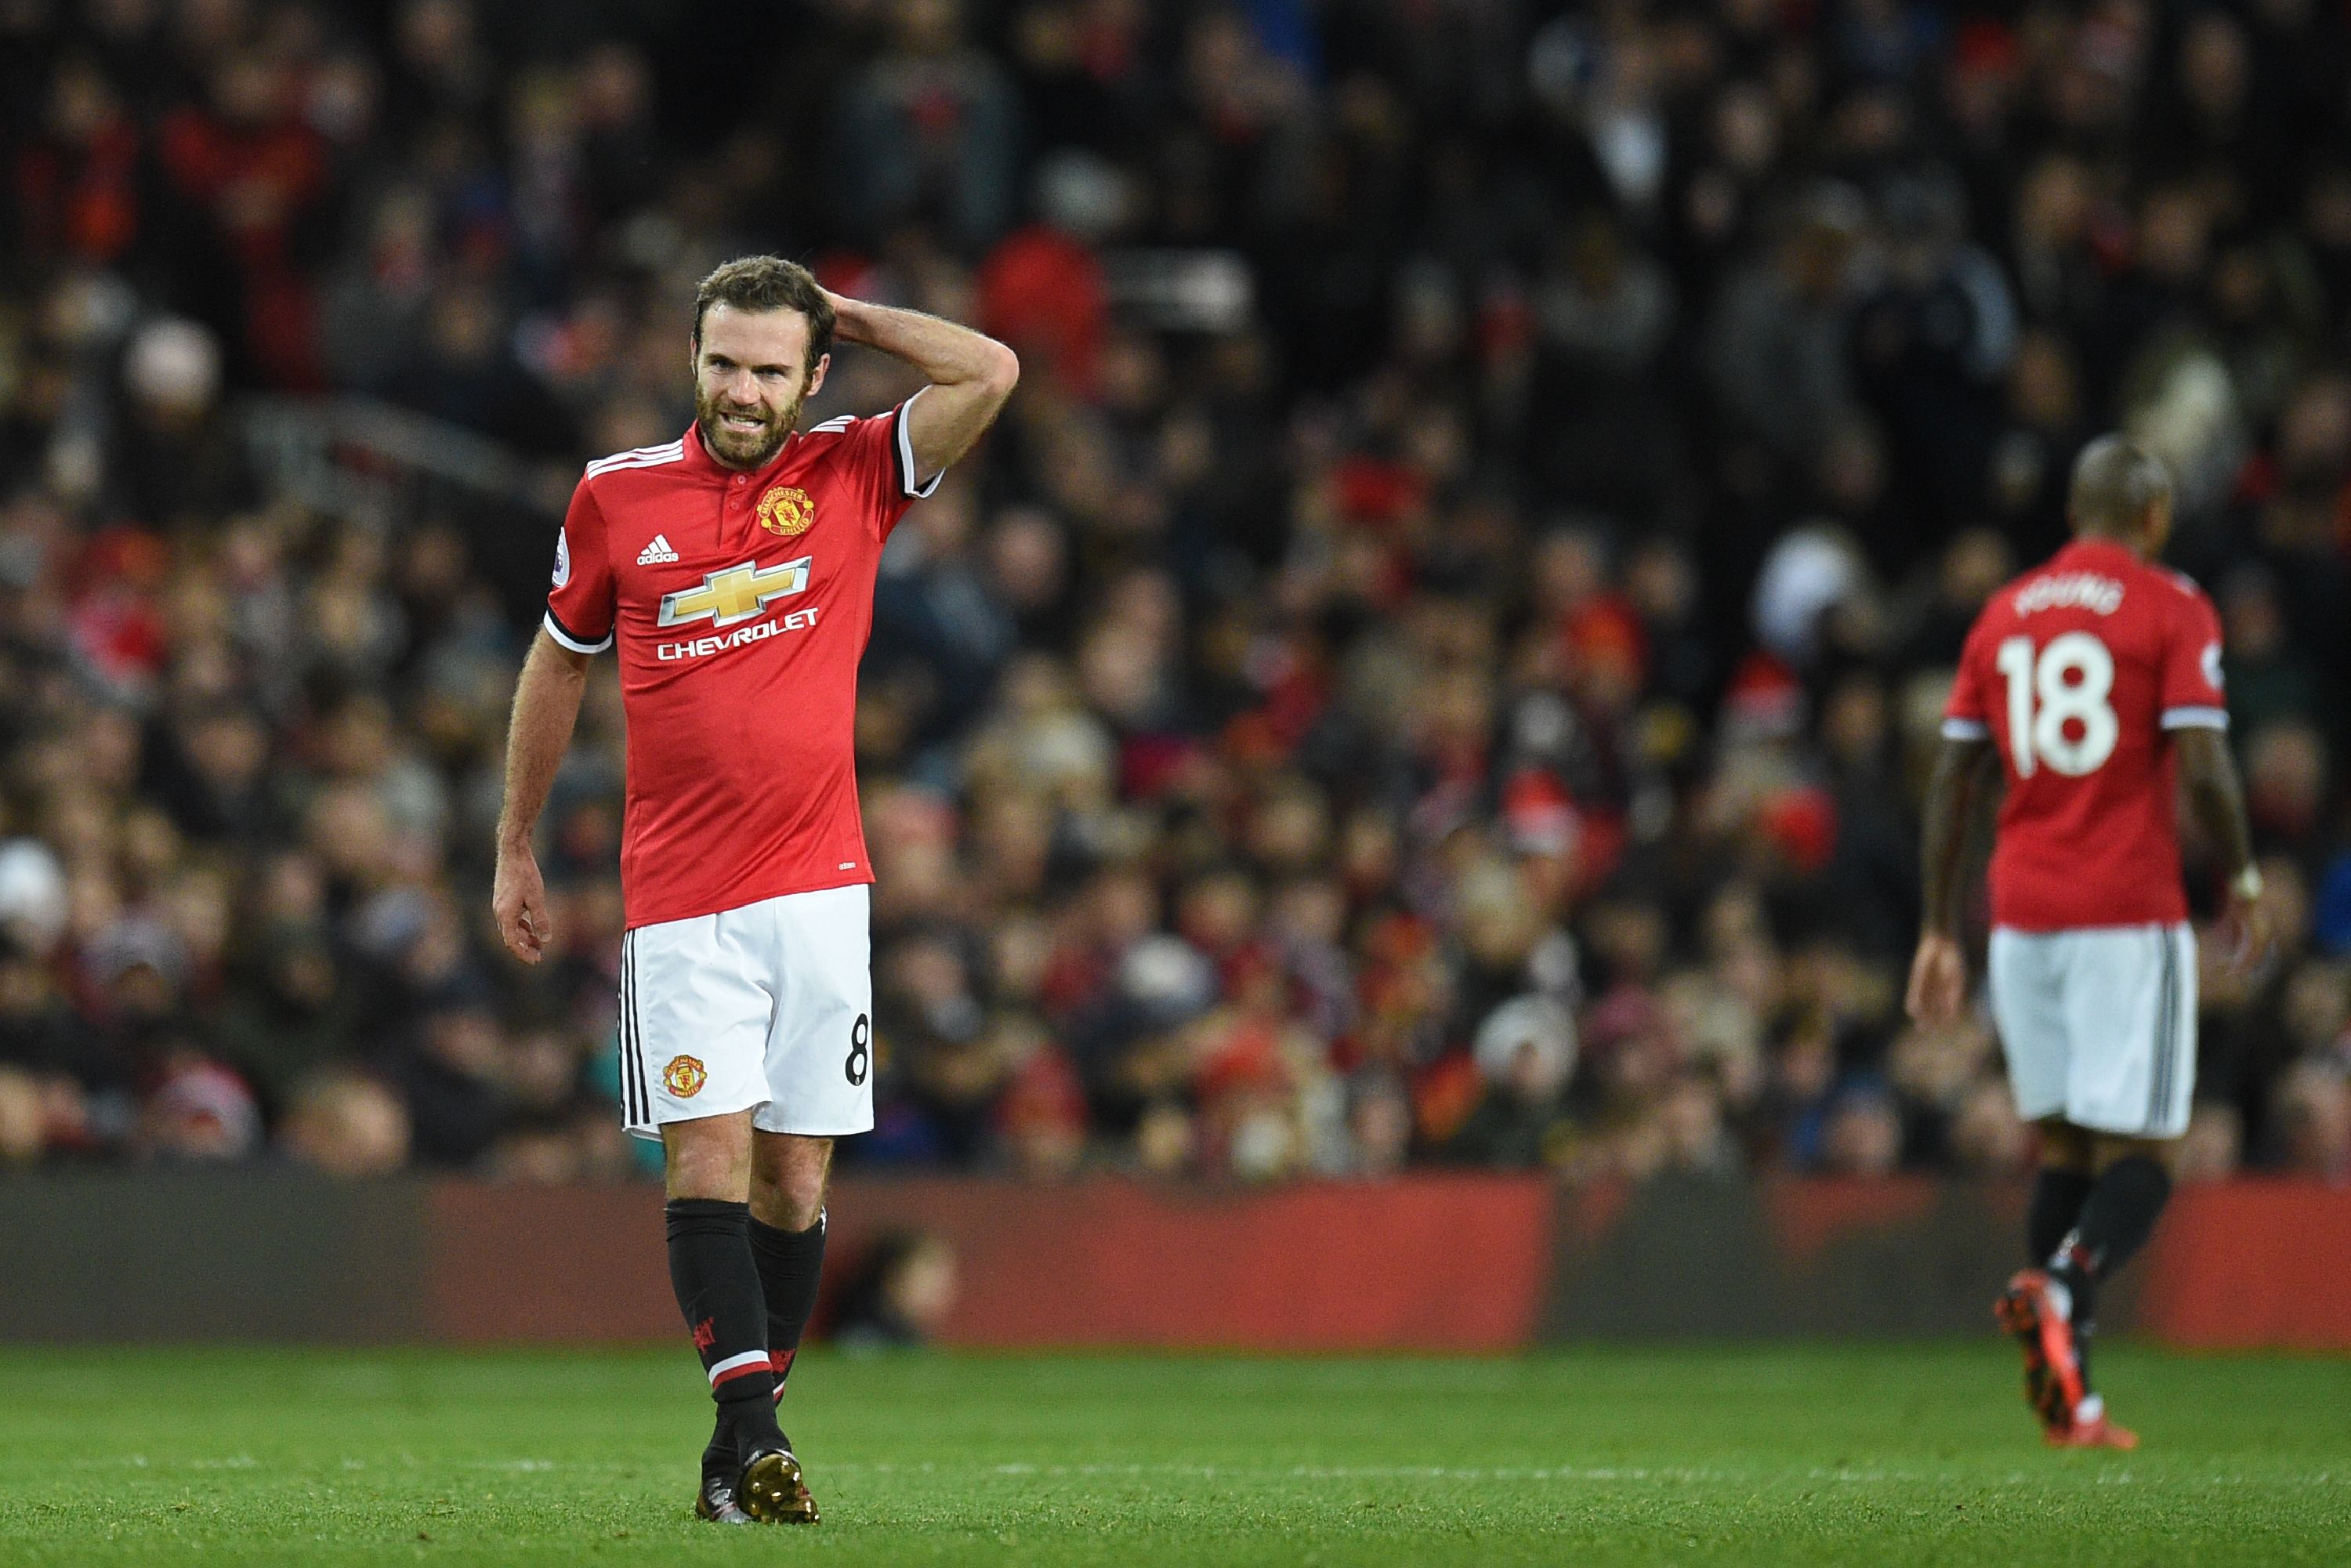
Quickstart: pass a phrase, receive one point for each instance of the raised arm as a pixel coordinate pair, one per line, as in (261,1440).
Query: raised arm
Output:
(546,706)
(971,375)
(2209,772)
(1960,788)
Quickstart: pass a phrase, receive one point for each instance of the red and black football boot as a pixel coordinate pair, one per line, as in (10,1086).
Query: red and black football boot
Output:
(2053,1371)
(2090,1429)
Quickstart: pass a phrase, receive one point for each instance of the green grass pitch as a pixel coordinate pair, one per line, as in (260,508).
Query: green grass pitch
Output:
(1794,1455)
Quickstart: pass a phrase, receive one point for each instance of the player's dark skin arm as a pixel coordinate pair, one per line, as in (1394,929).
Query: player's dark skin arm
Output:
(971,375)
(1959,790)
(2207,772)
(546,706)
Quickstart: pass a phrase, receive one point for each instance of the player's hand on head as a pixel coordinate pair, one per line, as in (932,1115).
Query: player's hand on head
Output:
(844,314)
(519,900)
(1939,981)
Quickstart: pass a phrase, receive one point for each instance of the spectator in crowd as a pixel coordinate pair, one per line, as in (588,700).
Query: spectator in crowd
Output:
(899,1294)
(1434,666)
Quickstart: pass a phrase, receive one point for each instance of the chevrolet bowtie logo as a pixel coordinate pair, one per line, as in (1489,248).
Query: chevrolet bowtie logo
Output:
(739,594)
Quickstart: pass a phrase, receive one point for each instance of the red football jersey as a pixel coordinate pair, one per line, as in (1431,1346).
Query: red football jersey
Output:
(741,603)
(2076,671)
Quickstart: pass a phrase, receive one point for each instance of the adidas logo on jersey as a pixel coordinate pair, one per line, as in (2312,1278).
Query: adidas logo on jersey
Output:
(658,552)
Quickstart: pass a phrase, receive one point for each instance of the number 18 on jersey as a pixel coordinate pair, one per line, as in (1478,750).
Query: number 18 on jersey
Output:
(2077,672)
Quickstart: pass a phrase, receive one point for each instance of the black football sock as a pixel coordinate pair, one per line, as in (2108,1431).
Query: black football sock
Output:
(2117,1217)
(2057,1200)
(790,1264)
(719,1459)
(718,1287)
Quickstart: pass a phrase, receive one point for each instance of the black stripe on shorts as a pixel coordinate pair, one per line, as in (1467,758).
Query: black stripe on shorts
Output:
(633,1067)
(2166,1031)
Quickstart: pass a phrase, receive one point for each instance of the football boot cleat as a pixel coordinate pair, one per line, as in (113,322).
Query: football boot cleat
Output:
(2091,1432)
(772,1491)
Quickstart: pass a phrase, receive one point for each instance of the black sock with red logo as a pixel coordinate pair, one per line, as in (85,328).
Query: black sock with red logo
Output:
(2057,1200)
(717,1286)
(790,1261)
(2117,1217)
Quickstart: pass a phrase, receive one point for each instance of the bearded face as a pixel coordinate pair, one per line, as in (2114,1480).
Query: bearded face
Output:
(745,434)
(751,376)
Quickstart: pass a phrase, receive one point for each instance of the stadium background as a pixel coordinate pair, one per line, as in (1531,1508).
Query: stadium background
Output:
(1433,669)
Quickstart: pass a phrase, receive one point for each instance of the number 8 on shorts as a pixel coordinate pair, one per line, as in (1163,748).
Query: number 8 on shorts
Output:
(766,1007)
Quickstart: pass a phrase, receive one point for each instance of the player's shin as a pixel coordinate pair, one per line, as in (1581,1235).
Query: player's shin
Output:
(2056,1208)
(717,1286)
(2117,1217)
(791,1264)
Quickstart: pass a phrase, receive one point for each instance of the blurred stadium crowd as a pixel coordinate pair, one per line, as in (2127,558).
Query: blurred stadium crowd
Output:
(1436,664)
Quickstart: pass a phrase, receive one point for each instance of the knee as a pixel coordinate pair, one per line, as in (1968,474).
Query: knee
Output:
(788,1184)
(706,1161)
(787,1205)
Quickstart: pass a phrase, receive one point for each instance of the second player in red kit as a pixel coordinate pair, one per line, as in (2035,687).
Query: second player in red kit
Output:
(2076,671)
(2090,687)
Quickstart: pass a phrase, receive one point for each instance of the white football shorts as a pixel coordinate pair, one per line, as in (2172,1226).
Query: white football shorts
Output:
(2099,1025)
(766,1008)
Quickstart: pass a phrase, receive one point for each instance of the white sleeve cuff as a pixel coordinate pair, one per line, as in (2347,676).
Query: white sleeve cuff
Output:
(906,456)
(555,630)
(1965,730)
(2195,718)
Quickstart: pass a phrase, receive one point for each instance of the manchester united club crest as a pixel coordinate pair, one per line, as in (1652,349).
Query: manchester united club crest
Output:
(685,1077)
(787,511)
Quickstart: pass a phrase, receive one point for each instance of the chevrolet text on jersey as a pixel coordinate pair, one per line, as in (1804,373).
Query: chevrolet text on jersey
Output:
(797,621)
(740,604)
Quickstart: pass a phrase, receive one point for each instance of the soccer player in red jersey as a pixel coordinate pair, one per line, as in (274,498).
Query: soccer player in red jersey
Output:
(2092,682)
(734,569)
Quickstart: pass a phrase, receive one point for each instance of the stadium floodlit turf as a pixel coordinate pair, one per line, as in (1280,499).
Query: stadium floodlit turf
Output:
(1735,1457)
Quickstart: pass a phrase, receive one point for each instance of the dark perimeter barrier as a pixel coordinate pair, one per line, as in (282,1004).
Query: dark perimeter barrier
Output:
(1435,1262)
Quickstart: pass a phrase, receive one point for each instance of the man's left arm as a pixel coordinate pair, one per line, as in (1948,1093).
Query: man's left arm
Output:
(971,375)
(1965,764)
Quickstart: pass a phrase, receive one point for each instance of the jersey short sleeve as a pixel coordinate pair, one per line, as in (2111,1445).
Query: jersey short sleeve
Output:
(581,605)
(881,455)
(2192,694)
(1964,715)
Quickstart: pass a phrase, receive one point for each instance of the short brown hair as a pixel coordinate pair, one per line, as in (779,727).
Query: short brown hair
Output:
(768,283)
